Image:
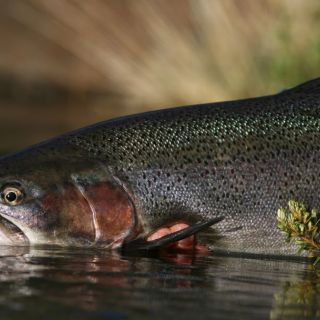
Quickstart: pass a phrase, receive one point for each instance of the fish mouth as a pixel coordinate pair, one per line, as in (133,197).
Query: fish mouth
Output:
(10,234)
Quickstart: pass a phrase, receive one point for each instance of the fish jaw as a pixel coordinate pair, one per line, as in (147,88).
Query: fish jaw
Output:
(10,234)
(32,236)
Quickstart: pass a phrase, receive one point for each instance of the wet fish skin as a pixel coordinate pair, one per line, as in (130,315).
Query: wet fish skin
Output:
(239,159)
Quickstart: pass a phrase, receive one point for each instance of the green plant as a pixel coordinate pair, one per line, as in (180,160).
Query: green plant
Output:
(301,225)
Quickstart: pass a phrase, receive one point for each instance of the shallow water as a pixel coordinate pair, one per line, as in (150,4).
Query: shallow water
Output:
(52,283)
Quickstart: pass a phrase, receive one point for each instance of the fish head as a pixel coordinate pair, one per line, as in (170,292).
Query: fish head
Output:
(62,201)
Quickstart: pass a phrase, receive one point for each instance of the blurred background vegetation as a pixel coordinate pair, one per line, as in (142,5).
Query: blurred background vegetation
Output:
(68,63)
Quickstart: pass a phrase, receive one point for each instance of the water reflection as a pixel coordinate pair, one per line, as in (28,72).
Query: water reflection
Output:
(89,284)
(299,297)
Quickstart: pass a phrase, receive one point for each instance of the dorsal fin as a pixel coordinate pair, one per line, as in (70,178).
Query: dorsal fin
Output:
(309,87)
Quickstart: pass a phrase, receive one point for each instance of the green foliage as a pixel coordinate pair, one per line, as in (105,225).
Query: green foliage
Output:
(302,226)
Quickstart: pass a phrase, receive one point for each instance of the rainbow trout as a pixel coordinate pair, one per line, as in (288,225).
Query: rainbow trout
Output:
(227,165)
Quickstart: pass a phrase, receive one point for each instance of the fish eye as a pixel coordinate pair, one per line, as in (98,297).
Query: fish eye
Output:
(12,195)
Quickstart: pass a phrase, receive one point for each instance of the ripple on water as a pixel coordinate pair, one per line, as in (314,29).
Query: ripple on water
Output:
(60,283)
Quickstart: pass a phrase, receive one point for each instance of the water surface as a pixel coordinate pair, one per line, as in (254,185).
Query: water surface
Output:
(55,283)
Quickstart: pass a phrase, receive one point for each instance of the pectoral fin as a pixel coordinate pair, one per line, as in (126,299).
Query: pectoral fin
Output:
(144,245)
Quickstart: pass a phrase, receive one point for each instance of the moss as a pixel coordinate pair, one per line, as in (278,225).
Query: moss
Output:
(302,226)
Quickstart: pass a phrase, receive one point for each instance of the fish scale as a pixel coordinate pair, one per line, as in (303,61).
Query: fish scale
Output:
(240,160)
